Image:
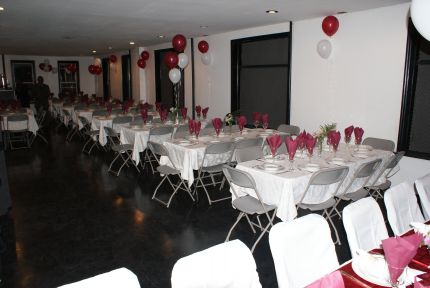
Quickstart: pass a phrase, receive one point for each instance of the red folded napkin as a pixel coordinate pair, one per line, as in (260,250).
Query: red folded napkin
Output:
(348,132)
(145,105)
(291,147)
(301,140)
(197,127)
(424,281)
(334,139)
(198,110)
(310,143)
(163,114)
(332,280)
(157,106)
(358,134)
(274,141)
(125,107)
(217,123)
(255,117)
(191,126)
(109,108)
(184,111)
(265,120)
(205,112)
(144,114)
(241,121)
(399,251)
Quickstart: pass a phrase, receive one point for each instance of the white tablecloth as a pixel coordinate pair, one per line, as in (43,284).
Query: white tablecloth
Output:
(32,124)
(86,113)
(286,189)
(98,123)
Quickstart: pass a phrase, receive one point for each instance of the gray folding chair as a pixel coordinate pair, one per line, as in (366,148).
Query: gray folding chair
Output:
(136,121)
(116,111)
(122,151)
(101,112)
(289,129)
(162,131)
(18,134)
(248,149)
(247,204)
(92,136)
(159,150)
(70,125)
(122,120)
(181,131)
(325,177)
(378,143)
(215,156)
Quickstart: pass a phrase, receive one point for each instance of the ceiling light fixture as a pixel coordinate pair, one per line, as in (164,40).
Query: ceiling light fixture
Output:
(131,43)
(1,8)
(272,11)
(204,26)
(94,51)
(110,47)
(160,36)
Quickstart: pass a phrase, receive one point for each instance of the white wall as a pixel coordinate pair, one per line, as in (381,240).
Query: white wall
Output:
(87,81)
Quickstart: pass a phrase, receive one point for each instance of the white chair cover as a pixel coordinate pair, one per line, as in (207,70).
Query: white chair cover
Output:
(402,207)
(364,225)
(121,277)
(423,188)
(302,251)
(229,264)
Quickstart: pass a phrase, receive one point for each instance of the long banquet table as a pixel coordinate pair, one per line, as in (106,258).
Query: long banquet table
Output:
(32,124)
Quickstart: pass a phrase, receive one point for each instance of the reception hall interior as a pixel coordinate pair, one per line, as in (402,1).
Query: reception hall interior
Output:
(221,143)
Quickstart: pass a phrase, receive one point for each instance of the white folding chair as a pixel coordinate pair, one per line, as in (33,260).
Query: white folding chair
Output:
(181,132)
(302,251)
(121,277)
(402,207)
(289,129)
(92,136)
(122,151)
(162,131)
(228,264)
(364,225)
(379,143)
(17,127)
(248,149)
(422,185)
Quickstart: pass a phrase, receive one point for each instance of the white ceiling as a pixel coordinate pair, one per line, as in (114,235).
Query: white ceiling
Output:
(75,27)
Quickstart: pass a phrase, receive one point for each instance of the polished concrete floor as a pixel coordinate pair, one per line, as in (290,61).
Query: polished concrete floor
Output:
(71,220)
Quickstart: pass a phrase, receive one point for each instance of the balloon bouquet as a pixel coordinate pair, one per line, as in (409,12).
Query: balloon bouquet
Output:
(329,25)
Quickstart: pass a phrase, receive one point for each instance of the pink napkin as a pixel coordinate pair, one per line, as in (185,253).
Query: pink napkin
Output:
(274,141)
(255,117)
(217,123)
(425,281)
(301,140)
(198,110)
(205,112)
(144,114)
(163,114)
(291,147)
(191,126)
(265,120)
(334,139)
(399,251)
(197,127)
(358,134)
(241,121)
(332,280)
(348,132)
(310,143)
(184,111)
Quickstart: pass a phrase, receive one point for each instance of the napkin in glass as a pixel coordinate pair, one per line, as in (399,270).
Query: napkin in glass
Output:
(422,281)
(197,127)
(144,114)
(310,143)
(255,117)
(291,147)
(274,141)
(198,110)
(217,123)
(335,139)
(348,132)
(184,111)
(157,106)
(358,134)
(205,112)
(191,124)
(265,119)
(241,121)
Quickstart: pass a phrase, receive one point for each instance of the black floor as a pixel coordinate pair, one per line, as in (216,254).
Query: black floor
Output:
(71,220)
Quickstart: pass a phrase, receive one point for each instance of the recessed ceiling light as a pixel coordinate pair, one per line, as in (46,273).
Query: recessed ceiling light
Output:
(160,36)
(94,51)
(1,8)
(204,26)
(272,11)
(110,47)
(131,43)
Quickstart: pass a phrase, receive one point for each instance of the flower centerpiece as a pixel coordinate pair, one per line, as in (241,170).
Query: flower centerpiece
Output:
(229,120)
(173,114)
(322,133)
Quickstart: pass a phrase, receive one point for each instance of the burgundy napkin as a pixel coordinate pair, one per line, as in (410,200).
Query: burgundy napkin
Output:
(334,139)
(191,126)
(291,147)
(348,132)
(425,281)
(301,139)
(163,114)
(198,110)
(109,108)
(145,105)
(205,112)
(255,117)
(184,111)
(144,114)
(358,134)
(265,120)
(274,141)
(217,123)
(399,251)
(157,106)
(197,127)
(241,121)
(310,143)
(332,280)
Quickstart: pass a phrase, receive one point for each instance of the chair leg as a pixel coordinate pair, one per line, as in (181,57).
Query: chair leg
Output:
(250,224)
(234,225)
(328,217)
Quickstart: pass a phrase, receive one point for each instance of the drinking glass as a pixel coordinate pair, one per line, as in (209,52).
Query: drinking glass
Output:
(256,123)
(265,125)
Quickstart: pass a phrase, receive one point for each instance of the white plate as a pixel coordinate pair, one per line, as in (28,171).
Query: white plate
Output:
(277,158)
(264,134)
(337,161)
(214,141)
(364,148)
(270,167)
(312,167)
(238,138)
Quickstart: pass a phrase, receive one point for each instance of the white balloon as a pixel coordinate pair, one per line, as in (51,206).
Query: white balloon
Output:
(175,75)
(420,11)
(207,58)
(182,60)
(324,48)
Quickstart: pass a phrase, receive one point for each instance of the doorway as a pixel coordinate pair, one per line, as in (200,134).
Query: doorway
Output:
(106,78)
(126,77)
(23,78)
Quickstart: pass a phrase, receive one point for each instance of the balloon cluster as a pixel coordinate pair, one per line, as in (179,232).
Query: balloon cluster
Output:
(329,25)
(112,58)
(71,68)
(142,60)
(204,48)
(95,69)
(173,59)
(45,67)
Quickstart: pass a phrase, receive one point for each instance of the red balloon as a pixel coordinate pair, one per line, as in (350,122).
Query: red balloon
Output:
(203,46)
(171,59)
(179,42)
(98,70)
(141,63)
(92,69)
(72,68)
(42,66)
(49,67)
(330,25)
(144,55)
(112,58)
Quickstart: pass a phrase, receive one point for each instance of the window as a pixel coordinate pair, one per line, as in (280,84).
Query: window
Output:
(414,137)
(261,77)
(68,81)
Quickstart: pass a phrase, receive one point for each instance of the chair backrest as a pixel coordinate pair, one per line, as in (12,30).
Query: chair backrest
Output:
(181,132)
(248,142)
(229,264)
(156,120)
(324,177)
(393,164)
(66,113)
(422,185)
(80,106)
(379,143)
(364,225)
(402,207)
(116,111)
(122,119)
(121,277)
(207,131)
(362,175)
(289,129)
(17,118)
(100,112)
(248,153)
(84,121)
(111,133)
(162,130)
(137,121)
(293,243)
(158,149)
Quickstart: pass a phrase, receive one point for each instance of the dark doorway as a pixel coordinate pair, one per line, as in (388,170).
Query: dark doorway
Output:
(106,78)
(68,82)
(126,77)
(261,77)
(164,87)
(23,78)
